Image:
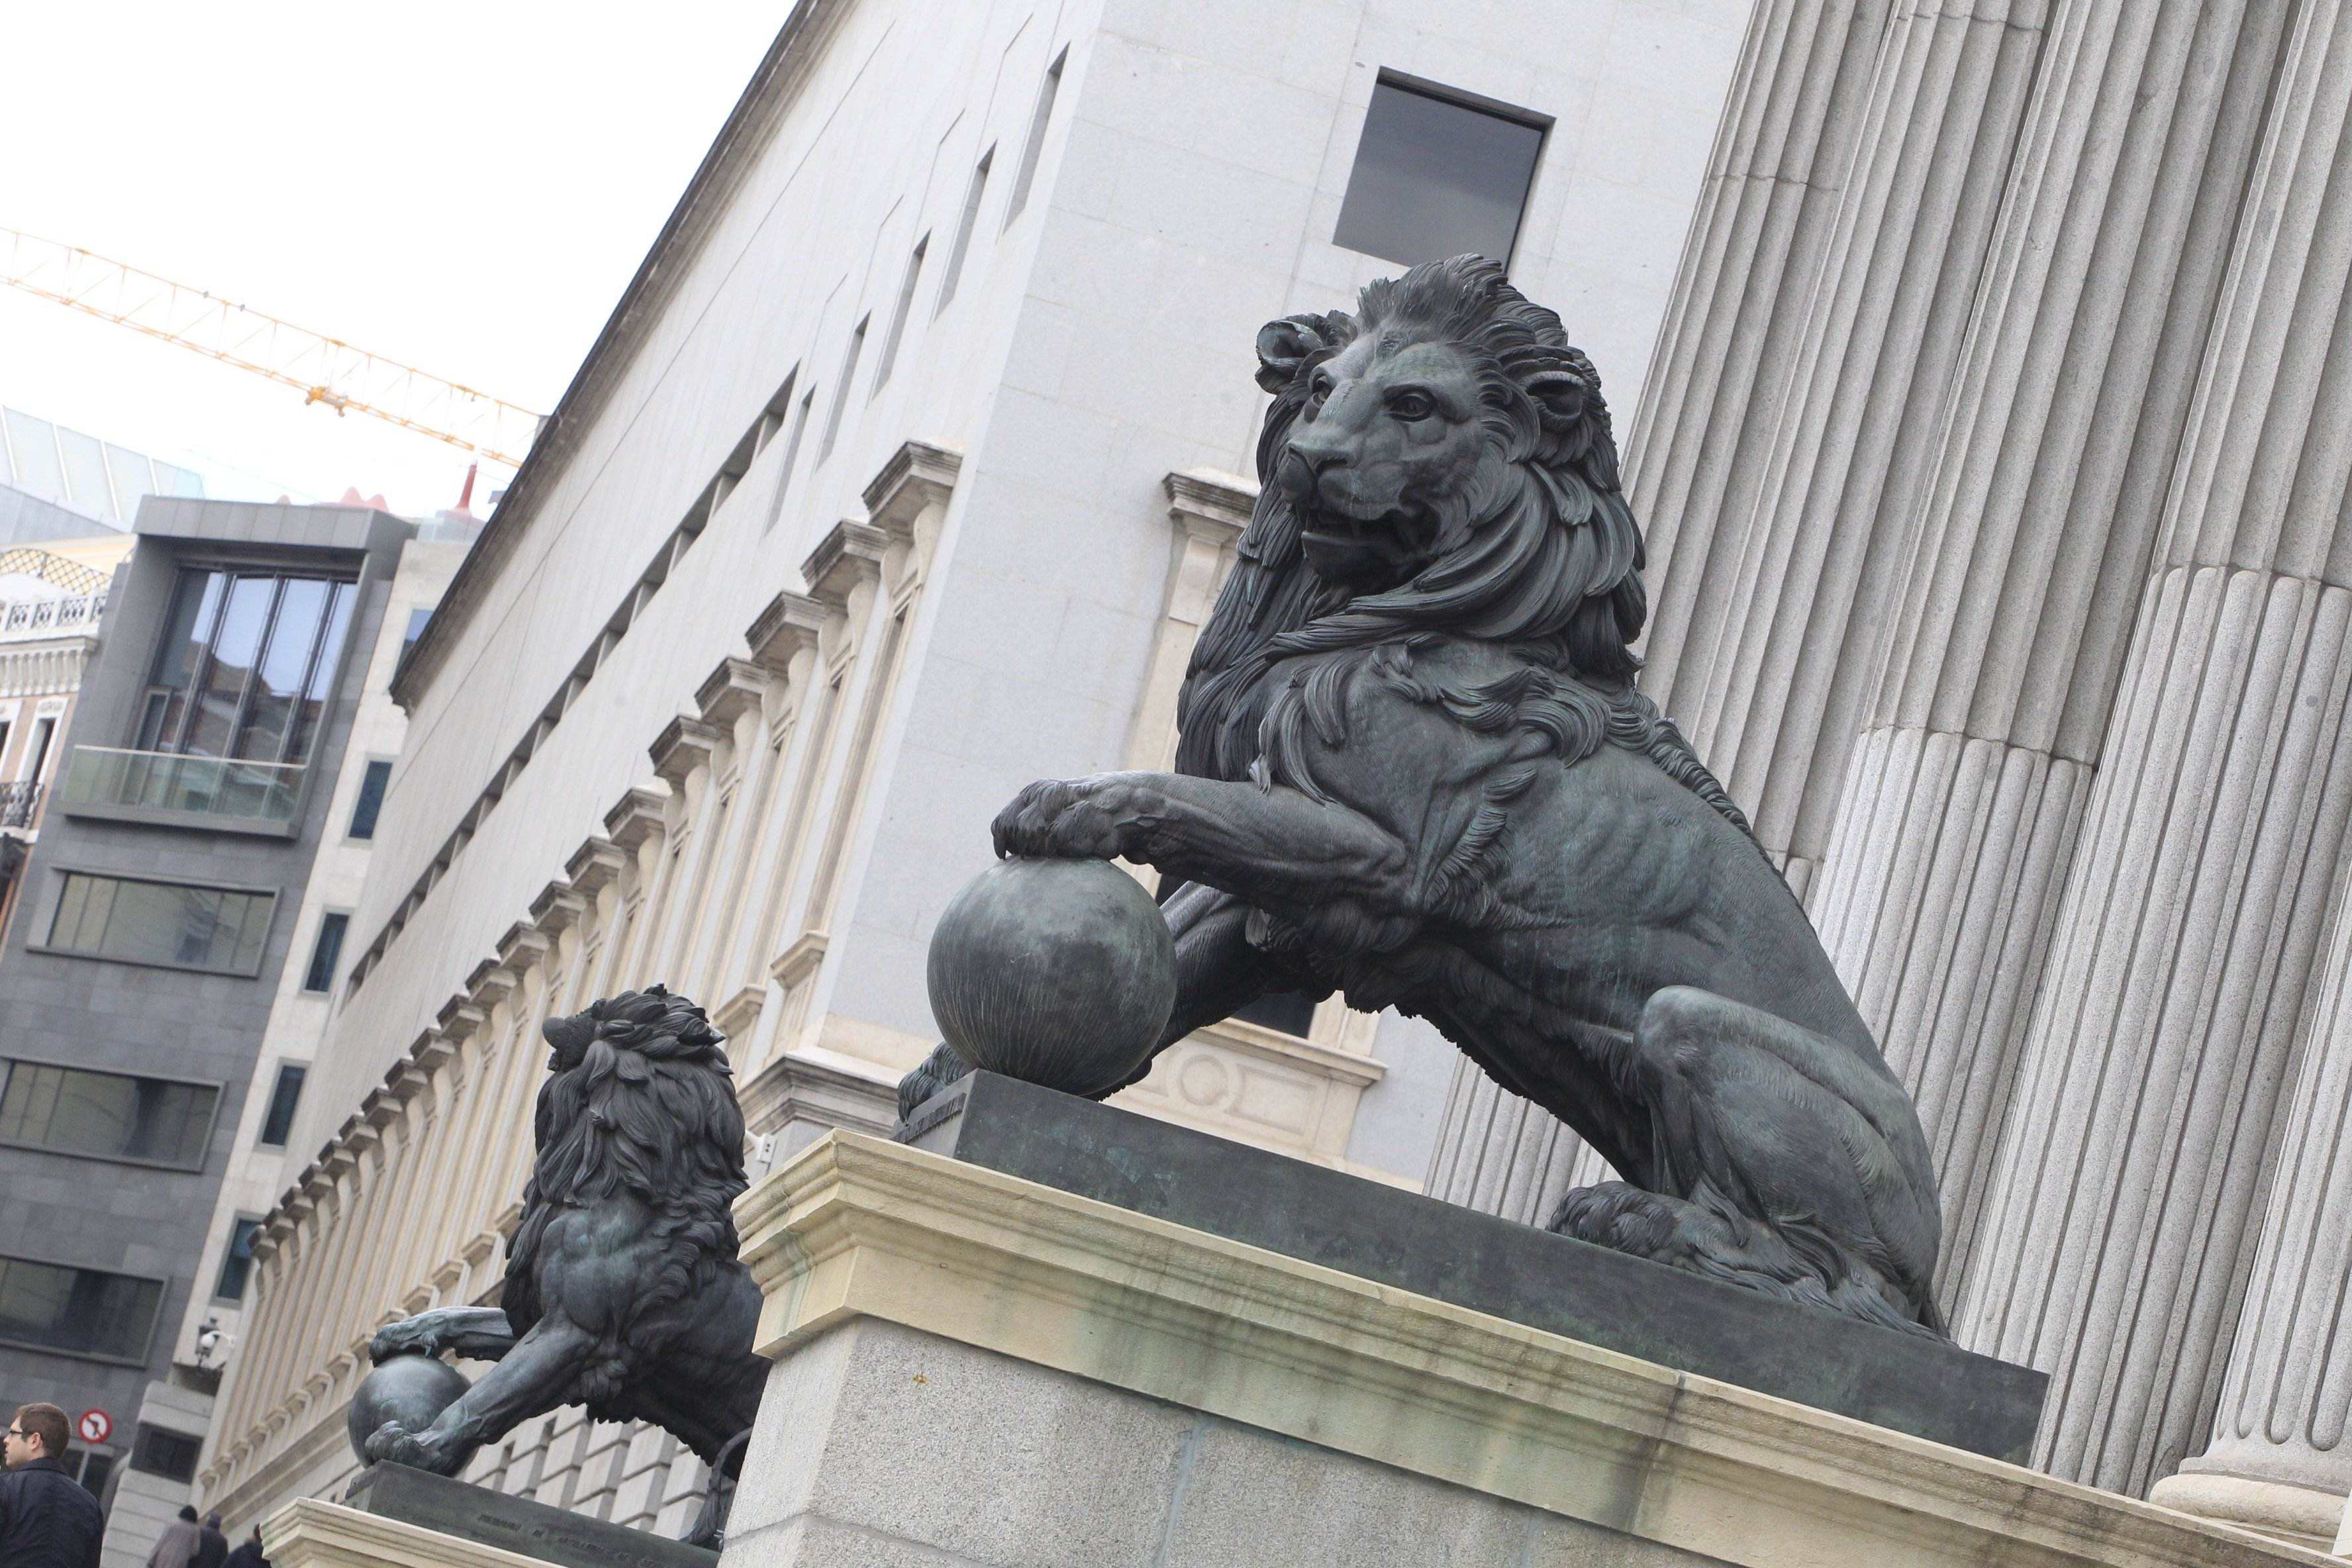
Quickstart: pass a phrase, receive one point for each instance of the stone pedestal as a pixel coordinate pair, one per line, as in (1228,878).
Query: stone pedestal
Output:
(394,1517)
(973,1368)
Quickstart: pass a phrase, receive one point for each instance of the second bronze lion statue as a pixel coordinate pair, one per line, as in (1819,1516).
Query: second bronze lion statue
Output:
(1413,767)
(622,1290)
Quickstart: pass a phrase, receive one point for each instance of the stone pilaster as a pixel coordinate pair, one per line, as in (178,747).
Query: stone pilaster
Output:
(1960,800)
(1503,1155)
(2119,1230)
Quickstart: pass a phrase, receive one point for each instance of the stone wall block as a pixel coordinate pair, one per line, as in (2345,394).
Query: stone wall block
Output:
(2144,1106)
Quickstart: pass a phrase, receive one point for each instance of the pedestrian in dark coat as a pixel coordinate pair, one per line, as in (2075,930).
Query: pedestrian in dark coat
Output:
(212,1546)
(248,1553)
(47,1519)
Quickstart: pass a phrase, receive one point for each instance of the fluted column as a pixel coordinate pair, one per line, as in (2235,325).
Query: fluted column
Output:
(2119,1227)
(2278,1461)
(1958,812)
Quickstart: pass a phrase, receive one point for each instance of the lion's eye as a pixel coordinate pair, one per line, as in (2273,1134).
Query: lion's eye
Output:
(1411,405)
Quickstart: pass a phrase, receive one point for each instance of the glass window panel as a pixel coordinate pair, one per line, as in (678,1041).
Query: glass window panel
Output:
(283,671)
(323,673)
(370,803)
(195,607)
(34,444)
(324,955)
(278,1125)
(85,461)
(133,477)
(1434,179)
(106,1114)
(76,1309)
(236,1263)
(162,922)
(243,620)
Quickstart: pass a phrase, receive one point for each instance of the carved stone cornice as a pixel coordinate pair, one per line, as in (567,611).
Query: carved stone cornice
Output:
(1210,503)
(734,688)
(490,982)
(407,1080)
(379,1109)
(429,1050)
(524,947)
(848,555)
(558,909)
(459,1017)
(684,744)
(790,624)
(596,862)
(635,818)
(918,475)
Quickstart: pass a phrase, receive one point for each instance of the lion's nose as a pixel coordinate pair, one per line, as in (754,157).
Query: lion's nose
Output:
(1304,465)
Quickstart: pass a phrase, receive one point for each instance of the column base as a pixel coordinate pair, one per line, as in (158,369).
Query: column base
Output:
(2299,1516)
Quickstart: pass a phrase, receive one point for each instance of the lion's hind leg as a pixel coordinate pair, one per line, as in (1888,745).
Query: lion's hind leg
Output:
(1772,1163)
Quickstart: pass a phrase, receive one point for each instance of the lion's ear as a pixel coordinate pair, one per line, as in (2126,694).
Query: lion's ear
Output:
(1561,396)
(1283,345)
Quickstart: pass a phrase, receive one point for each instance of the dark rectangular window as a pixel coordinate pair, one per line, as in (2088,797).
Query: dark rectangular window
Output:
(1286,1010)
(972,193)
(278,1125)
(841,392)
(111,1115)
(161,923)
(1031,149)
(244,665)
(325,953)
(169,1454)
(1435,177)
(899,314)
(236,1263)
(36,755)
(371,801)
(81,1312)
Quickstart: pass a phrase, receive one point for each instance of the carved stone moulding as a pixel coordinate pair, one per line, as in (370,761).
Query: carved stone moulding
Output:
(918,475)
(848,555)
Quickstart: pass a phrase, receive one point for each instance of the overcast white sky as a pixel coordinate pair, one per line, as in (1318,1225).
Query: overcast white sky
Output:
(467,187)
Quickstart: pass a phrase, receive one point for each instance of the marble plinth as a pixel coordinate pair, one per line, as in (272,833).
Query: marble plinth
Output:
(974,1370)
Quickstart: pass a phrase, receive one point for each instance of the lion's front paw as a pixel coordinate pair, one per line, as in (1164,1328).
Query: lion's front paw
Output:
(410,1336)
(1066,819)
(392,1444)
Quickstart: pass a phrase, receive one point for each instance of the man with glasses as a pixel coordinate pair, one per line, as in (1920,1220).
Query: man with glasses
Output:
(46,1520)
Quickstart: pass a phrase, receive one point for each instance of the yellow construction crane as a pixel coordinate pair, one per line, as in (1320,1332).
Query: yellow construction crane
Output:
(323,369)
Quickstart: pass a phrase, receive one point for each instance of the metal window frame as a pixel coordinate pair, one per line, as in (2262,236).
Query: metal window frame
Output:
(146,1348)
(54,894)
(212,1122)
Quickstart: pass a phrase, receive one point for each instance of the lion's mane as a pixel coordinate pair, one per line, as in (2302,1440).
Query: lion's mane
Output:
(642,1105)
(1548,559)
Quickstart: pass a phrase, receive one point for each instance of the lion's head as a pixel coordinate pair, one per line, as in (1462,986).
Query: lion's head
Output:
(1441,461)
(638,1100)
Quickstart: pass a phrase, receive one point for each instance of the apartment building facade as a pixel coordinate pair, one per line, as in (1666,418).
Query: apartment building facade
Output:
(904,473)
(153,921)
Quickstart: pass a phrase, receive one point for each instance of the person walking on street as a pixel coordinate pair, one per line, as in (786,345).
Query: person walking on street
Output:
(180,1538)
(212,1546)
(249,1552)
(47,1519)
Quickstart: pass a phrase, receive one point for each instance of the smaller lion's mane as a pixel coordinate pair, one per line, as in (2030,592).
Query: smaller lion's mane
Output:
(645,1108)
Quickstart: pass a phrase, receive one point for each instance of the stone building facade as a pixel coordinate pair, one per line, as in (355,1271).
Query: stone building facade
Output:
(904,473)
(1997,499)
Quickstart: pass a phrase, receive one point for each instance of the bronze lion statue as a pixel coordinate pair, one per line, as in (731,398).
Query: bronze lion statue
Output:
(1414,768)
(623,1290)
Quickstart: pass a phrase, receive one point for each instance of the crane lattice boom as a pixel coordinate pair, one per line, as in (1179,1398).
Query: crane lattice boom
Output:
(323,369)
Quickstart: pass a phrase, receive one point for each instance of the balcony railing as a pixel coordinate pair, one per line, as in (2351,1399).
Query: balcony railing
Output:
(20,802)
(164,785)
(24,619)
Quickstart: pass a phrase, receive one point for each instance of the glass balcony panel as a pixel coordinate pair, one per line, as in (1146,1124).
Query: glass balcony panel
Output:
(220,787)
